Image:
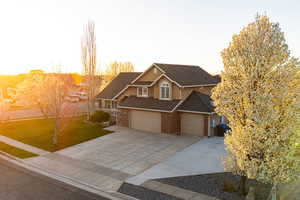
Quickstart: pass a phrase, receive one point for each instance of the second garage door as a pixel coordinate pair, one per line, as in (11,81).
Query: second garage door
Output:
(192,124)
(145,121)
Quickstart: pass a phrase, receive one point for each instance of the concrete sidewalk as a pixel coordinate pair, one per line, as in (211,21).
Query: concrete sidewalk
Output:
(23,146)
(97,176)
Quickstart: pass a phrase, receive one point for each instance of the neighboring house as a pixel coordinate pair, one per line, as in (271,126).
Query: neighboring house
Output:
(166,98)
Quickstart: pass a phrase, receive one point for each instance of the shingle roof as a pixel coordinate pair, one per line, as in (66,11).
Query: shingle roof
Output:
(197,102)
(187,74)
(117,85)
(142,83)
(149,103)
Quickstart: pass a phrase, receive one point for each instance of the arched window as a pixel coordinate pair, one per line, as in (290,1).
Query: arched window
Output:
(165,90)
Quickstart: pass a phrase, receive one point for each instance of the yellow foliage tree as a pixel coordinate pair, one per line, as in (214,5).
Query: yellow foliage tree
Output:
(114,68)
(260,96)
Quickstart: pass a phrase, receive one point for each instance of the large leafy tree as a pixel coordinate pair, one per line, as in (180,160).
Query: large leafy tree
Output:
(260,96)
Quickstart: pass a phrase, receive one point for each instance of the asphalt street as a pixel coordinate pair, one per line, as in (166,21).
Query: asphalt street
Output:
(17,183)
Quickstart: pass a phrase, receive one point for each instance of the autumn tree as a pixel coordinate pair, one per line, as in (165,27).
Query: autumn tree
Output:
(260,96)
(31,92)
(88,47)
(114,68)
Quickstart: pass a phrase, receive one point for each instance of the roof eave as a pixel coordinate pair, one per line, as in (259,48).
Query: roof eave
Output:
(197,112)
(203,85)
(145,109)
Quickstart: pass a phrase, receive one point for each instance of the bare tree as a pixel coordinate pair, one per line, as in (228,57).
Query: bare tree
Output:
(88,47)
(57,86)
(3,107)
(114,68)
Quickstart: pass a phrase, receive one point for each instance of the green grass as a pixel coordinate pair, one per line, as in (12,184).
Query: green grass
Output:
(39,133)
(20,153)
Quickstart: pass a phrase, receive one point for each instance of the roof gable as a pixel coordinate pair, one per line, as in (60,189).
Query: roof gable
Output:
(147,72)
(197,102)
(117,85)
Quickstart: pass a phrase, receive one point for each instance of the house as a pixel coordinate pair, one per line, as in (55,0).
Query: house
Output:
(166,98)
(106,98)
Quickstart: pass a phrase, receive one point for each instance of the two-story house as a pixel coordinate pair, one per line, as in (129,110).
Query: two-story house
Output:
(166,98)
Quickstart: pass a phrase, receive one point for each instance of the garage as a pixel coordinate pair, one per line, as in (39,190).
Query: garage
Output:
(145,121)
(193,124)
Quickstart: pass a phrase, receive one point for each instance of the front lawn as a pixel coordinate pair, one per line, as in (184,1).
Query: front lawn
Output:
(20,153)
(39,133)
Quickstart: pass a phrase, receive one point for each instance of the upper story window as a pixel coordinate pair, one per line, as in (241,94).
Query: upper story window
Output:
(165,90)
(142,92)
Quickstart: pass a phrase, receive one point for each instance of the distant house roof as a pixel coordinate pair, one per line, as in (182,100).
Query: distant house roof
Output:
(117,85)
(187,75)
(148,103)
(197,102)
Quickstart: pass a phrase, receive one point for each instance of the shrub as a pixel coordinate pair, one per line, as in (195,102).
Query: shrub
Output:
(100,116)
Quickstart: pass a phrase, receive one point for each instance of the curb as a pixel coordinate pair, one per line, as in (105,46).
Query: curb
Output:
(87,187)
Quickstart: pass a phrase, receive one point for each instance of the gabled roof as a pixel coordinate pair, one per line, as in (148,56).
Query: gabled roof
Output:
(197,102)
(187,75)
(148,103)
(117,85)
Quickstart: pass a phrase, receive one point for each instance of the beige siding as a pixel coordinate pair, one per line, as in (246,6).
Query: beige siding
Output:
(192,124)
(175,92)
(145,121)
(150,75)
(131,91)
(151,91)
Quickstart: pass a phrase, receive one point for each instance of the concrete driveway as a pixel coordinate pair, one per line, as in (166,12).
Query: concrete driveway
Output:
(106,162)
(203,157)
(129,151)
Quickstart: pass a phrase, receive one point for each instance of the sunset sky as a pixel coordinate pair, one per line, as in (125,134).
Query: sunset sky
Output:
(39,34)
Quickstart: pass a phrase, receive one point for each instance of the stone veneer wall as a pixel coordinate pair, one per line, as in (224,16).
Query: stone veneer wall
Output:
(123,118)
(170,123)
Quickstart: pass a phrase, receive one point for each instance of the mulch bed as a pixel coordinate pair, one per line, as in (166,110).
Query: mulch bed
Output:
(221,185)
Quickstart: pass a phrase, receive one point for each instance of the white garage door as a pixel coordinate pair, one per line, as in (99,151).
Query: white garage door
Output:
(145,121)
(192,124)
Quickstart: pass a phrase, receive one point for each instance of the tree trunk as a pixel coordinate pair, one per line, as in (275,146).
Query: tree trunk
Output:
(56,132)
(88,108)
(242,186)
(273,193)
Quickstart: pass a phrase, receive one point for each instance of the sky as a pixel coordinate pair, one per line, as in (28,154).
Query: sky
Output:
(40,34)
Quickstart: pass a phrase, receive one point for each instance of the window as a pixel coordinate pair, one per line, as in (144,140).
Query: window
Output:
(165,90)
(114,105)
(107,104)
(142,91)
